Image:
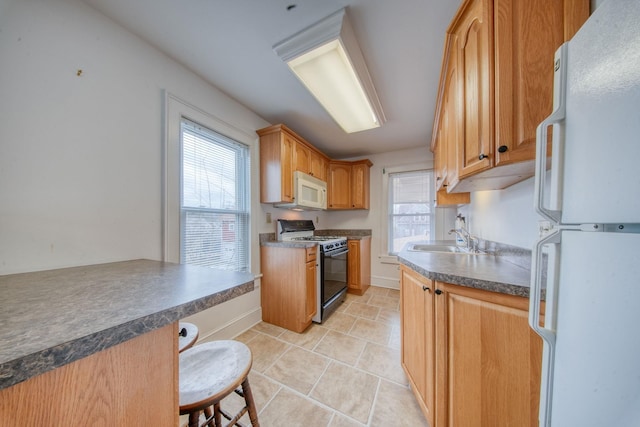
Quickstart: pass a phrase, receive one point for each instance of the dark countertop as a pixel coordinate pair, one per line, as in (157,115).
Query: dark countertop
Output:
(269,239)
(51,318)
(494,273)
(351,234)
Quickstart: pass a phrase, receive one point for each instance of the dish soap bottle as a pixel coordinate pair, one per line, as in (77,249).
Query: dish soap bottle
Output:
(460,225)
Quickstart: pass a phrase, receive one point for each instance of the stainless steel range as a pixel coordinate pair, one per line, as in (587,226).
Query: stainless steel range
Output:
(332,267)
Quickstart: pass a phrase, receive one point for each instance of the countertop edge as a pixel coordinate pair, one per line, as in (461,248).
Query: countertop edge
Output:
(469,282)
(23,368)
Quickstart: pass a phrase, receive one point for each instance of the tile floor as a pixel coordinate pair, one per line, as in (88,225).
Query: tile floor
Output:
(343,373)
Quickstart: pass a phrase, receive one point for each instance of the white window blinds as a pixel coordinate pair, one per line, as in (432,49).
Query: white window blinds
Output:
(214,207)
(411,210)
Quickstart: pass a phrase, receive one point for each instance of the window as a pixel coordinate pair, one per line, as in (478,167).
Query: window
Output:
(411,211)
(214,206)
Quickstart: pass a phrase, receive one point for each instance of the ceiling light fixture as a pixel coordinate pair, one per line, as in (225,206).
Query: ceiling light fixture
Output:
(328,61)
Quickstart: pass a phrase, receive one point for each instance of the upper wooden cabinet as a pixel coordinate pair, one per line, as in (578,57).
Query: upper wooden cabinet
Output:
(348,184)
(499,58)
(448,137)
(283,152)
(318,165)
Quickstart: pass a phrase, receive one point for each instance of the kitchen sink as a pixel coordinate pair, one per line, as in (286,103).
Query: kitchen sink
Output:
(445,249)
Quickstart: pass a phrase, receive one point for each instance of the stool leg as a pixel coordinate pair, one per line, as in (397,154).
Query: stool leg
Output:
(218,416)
(248,398)
(207,414)
(194,419)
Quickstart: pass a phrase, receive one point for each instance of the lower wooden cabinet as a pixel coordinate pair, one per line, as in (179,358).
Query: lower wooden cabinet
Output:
(359,265)
(418,337)
(288,288)
(134,379)
(481,363)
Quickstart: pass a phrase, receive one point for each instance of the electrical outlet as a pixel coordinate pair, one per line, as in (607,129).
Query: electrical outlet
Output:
(317,220)
(268,217)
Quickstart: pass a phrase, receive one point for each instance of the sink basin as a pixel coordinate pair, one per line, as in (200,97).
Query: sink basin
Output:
(445,249)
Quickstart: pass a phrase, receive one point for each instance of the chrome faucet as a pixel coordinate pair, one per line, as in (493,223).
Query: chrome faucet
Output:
(470,241)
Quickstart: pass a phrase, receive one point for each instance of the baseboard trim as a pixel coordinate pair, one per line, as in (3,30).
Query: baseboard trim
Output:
(234,327)
(386,282)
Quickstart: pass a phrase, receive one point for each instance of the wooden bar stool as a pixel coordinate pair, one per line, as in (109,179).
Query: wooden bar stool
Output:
(208,373)
(187,335)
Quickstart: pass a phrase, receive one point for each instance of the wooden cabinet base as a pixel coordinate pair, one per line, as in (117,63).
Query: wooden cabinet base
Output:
(359,265)
(288,294)
(132,383)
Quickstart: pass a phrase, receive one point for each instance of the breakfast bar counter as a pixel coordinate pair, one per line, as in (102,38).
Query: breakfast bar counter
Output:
(119,319)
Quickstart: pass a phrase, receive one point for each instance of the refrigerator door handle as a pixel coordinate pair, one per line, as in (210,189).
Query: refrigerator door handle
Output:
(557,116)
(548,335)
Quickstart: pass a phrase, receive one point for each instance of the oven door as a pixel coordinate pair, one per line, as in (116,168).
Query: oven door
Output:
(333,279)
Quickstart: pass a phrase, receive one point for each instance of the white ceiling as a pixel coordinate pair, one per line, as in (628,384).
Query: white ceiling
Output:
(229,44)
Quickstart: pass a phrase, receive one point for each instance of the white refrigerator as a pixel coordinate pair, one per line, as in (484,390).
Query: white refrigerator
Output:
(591,196)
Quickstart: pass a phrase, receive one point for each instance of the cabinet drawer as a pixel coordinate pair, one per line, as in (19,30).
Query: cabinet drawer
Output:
(311,253)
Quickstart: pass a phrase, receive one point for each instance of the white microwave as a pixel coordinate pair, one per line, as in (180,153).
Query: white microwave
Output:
(309,193)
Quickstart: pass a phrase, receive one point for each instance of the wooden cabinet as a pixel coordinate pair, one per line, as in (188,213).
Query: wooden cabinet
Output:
(339,185)
(288,294)
(473,57)
(301,158)
(360,179)
(359,265)
(348,184)
(107,388)
(503,78)
(318,165)
(276,165)
(448,133)
(418,337)
(283,152)
(481,362)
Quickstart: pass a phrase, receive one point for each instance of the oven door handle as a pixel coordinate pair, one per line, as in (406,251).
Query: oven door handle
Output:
(331,255)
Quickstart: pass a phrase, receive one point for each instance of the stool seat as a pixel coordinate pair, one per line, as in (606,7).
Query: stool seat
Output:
(210,371)
(187,335)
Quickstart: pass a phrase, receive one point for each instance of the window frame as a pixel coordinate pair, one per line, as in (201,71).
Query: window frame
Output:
(387,171)
(242,203)
(175,110)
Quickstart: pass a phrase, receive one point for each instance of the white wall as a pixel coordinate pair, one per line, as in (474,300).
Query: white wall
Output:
(505,216)
(81,155)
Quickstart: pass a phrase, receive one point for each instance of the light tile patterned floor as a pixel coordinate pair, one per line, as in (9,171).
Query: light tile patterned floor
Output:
(343,373)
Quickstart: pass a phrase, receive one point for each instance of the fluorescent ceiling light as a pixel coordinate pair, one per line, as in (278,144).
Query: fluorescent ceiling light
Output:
(328,61)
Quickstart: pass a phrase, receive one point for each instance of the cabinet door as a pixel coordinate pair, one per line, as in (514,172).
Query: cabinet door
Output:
(360,186)
(318,166)
(339,185)
(301,157)
(353,267)
(418,339)
(473,33)
(523,78)
(489,360)
(452,111)
(286,167)
(310,288)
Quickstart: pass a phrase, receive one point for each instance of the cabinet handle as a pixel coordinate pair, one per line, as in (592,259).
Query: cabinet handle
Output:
(424,288)
(482,156)
(438,178)
(503,149)
(438,292)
